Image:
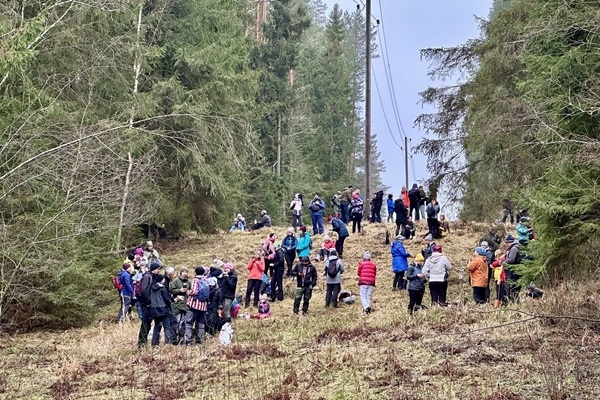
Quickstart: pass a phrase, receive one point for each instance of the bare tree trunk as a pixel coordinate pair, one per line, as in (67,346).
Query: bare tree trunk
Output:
(137,64)
(124,202)
(279,140)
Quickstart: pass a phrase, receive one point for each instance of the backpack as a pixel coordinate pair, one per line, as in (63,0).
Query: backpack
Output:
(203,291)
(116,281)
(332,268)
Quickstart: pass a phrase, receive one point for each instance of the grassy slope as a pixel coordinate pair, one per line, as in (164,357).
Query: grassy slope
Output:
(329,354)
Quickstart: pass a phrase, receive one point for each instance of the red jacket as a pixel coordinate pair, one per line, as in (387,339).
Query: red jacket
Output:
(367,271)
(256,267)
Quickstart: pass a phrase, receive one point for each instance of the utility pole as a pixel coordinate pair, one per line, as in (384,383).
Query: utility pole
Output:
(406,160)
(368,110)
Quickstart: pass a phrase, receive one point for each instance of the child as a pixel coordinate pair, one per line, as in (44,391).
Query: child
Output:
(534,292)
(390,208)
(264,309)
(326,247)
(416,287)
(500,278)
(409,229)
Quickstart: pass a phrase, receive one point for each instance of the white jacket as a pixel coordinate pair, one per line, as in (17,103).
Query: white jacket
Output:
(437,267)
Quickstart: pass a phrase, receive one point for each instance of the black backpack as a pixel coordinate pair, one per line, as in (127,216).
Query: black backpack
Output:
(332,268)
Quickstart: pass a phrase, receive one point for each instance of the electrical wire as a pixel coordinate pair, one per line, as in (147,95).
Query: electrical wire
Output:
(383,109)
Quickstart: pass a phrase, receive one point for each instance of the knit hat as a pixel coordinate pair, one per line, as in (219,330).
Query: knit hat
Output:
(480,251)
(290,230)
(158,277)
(263,212)
(199,270)
(326,237)
(212,281)
(138,251)
(437,248)
(400,238)
(305,259)
(419,258)
(509,239)
(154,266)
(429,237)
(126,266)
(303,228)
(367,256)
(230,266)
(485,245)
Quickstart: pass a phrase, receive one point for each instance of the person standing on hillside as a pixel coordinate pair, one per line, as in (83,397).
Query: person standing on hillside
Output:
(356,210)
(296,207)
(304,243)
(289,244)
(367,273)
(401,215)
(126,293)
(478,273)
(422,201)
(390,207)
(256,267)
(428,249)
(144,300)
(334,268)
(414,199)
(345,203)
(336,204)
(437,269)
(151,254)
(433,210)
(196,316)
(399,263)
(342,231)
(179,287)
(268,249)
(508,211)
(306,277)
(376,205)
(405,197)
(316,207)
(278,270)
(416,286)
(160,309)
(523,232)
(228,289)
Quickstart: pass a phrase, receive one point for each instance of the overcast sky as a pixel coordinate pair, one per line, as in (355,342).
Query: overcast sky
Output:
(411,25)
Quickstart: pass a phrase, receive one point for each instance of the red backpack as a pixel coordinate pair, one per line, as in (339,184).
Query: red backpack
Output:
(116,281)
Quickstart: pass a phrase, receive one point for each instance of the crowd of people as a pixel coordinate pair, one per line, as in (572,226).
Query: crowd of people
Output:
(187,308)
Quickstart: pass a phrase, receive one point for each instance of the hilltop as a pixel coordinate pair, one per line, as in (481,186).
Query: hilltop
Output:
(460,352)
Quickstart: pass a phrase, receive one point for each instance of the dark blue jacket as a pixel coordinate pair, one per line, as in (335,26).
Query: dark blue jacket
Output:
(415,283)
(400,257)
(289,243)
(339,227)
(125,279)
(320,203)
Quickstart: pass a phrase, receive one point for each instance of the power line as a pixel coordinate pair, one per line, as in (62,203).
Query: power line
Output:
(383,109)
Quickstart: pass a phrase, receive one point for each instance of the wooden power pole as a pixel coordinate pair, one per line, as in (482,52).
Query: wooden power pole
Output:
(406,160)
(368,110)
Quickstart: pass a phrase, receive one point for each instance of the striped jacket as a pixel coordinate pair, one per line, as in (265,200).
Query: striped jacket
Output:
(191,301)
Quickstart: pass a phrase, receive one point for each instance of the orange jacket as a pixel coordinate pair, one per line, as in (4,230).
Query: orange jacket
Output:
(478,269)
(405,199)
(256,267)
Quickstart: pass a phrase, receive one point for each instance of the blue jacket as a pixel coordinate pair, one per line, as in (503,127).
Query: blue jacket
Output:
(390,205)
(522,232)
(400,257)
(319,203)
(289,243)
(339,227)
(303,247)
(125,279)
(415,283)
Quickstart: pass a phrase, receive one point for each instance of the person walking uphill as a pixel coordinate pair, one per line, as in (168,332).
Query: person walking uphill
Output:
(316,207)
(289,244)
(399,263)
(436,270)
(340,228)
(197,305)
(306,277)
(334,268)
(256,267)
(367,272)
(416,287)
(479,272)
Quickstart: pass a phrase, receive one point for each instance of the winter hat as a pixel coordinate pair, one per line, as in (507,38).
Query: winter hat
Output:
(143,262)
(290,230)
(485,245)
(429,237)
(419,258)
(367,256)
(303,228)
(154,266)
(305,259)
(523,220)
(158,277)
(509,239)
(480,251)
(199,270)
(138,251)
(230,266)
(333,253)
(239,216)
(400,238)
(126,266)
(263,212)
(149,243)
(218,263)
(212,281)
(326,237)
(437,248)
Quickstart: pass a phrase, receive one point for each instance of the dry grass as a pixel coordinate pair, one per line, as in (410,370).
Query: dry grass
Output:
(331,353)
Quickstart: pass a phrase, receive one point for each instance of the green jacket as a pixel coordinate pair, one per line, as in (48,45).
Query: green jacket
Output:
(175,287)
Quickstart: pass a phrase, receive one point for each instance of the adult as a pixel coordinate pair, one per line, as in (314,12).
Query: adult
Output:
(390,207)
(401,215)
(268,249)
(316,207)
(239,223)
(479,275)
(304,243)
(169,277)
(342,231)
(414,200)
(345,203)
(196,316)
(296,207)
(376,207)
(336,204)
(278,270)
(423,200)
(444,224)
(507,211)
(214,306)
(228,289)
(334,268)
(160,309)
(145,302)
(409,228)
(489,257)
(399,263)
(289,244)
(256,267)
(179,287)
(265,221)
(367,273)
(436,269)
(433,224)
(513,257)
(356,210)
(523,232)
(492,238)
(151,254)
(306,278)
(405,197)
(427,251)
(126,292)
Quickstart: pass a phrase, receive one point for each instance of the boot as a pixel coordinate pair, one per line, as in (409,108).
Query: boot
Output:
(496,303)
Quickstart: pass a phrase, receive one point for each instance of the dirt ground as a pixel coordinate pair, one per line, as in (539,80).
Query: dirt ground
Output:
(464,351)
